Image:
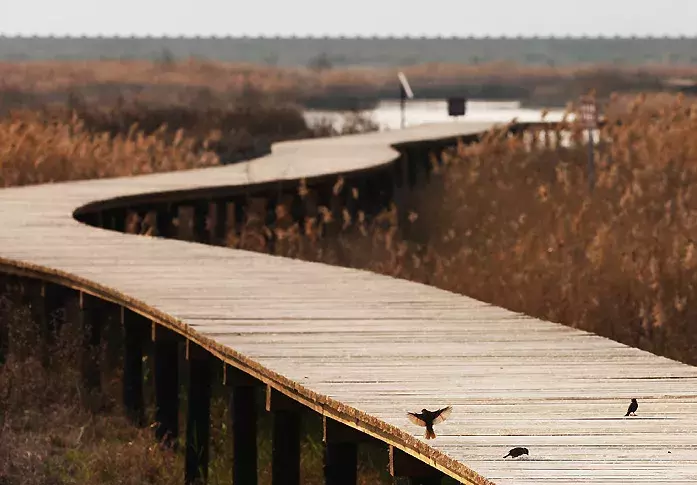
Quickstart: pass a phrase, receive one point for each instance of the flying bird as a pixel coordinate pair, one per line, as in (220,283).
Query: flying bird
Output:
(429,418)
(516,452)
(633,406)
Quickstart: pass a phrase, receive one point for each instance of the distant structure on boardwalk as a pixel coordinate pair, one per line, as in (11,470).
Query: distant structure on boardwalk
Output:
(360,51)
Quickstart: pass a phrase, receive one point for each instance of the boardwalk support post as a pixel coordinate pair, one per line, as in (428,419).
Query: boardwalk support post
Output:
(135,329)
(418,472)
(400,191)
(243,423)
(166,361)
(54,300)
(297,211)
(5,297)
(91,317)
(198,415)
(285,460)
(164,221)
(185,222)
(240,208)
(341,452)
(33,298)
(117,220)
(200,214)
(220,222)
(270,223)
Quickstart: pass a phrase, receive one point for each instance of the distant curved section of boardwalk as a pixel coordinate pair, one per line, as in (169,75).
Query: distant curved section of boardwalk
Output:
(363,348)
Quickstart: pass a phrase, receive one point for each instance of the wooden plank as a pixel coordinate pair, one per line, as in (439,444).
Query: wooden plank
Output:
(361,348)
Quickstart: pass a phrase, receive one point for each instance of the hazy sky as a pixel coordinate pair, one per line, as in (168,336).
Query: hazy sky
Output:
(356,17)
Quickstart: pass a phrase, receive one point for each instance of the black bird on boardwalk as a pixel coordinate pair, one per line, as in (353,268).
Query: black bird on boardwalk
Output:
(633,406)
(516,452)
(429,418)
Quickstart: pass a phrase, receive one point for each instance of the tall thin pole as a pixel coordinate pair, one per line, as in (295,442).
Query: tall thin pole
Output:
(403,104)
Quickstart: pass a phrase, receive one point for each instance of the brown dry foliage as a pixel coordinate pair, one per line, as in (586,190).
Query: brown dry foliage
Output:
(196,81)
(36,149)
(225,77)
(50,430)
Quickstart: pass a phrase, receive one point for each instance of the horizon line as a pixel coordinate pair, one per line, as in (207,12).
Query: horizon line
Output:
(342,37)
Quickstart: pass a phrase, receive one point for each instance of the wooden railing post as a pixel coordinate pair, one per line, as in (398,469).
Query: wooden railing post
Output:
(135,330)
(166,362)
(198,415)
(243,424)
(285,459)
(406,466)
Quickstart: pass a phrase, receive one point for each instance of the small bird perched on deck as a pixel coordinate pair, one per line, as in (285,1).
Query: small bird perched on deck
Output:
(516,452)
(429,418)
(633,406)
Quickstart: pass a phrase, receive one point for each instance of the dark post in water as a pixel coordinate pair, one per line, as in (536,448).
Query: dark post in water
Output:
(404,93)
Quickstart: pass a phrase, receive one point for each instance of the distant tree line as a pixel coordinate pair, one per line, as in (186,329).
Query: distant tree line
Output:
(325,53)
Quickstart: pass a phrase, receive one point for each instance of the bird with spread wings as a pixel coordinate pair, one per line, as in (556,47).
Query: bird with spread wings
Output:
(429,418)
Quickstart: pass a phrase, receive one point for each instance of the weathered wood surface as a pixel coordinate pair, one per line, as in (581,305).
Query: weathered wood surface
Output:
(363,348)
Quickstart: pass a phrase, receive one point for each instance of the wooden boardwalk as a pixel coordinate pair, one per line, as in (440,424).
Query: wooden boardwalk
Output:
(362,348)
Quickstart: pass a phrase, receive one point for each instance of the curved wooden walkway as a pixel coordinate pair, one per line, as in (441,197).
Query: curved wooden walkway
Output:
(363,349)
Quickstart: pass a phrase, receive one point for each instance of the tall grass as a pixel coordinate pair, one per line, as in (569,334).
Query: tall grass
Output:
(36,149)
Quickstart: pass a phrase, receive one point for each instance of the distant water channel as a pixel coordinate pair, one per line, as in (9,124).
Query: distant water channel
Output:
(388,115)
